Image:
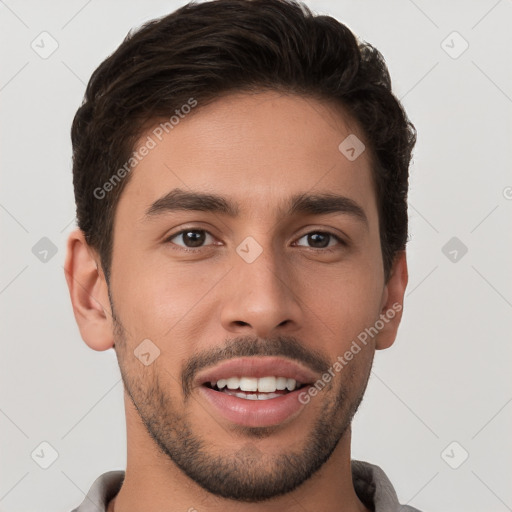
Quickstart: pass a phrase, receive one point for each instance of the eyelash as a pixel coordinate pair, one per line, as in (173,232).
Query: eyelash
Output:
(189,249)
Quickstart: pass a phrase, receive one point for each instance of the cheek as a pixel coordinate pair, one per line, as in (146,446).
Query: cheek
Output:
(157,300)
(346,300)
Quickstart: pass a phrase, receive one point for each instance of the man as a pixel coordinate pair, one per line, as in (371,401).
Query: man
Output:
(241,175)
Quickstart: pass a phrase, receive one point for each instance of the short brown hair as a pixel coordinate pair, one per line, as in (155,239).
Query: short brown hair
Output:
(204,50)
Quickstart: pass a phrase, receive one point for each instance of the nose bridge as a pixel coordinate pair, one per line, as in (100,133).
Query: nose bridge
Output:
(259,293)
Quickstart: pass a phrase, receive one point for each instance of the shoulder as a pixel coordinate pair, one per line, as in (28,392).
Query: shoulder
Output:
(103,489)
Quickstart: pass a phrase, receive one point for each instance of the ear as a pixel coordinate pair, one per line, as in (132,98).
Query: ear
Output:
(89,293)
(393,302)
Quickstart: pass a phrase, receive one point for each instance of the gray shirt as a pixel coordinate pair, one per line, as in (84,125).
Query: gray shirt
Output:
(371,484)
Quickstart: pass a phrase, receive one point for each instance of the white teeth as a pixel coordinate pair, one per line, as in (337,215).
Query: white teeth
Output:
(233,383)
(248,384)
(268,384)
(268,396)
(281,383)
(290,384)
(253,396)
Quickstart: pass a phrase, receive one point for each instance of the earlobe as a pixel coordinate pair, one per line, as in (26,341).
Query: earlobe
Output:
(392,302)
(88,292)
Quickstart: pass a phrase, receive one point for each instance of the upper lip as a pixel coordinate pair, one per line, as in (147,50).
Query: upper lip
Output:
(257,367)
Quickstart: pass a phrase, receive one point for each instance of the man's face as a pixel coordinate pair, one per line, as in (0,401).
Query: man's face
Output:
(256,285)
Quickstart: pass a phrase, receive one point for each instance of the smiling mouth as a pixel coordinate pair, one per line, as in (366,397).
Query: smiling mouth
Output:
(252,397)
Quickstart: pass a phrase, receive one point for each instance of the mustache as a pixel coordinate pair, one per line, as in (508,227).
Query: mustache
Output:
(246,346)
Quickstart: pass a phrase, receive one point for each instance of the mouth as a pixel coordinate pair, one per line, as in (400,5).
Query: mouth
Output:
(255,391)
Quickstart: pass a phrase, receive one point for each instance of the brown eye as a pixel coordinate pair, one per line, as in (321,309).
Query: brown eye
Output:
(190,238)
(322,239)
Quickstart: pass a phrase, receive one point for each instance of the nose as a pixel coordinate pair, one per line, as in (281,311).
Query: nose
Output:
(261,296)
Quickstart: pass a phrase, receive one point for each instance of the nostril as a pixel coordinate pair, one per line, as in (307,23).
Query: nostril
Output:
(240,323)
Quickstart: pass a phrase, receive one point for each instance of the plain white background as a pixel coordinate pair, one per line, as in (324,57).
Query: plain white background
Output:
(446,379)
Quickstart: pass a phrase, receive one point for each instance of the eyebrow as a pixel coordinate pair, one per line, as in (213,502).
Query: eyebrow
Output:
(312,204)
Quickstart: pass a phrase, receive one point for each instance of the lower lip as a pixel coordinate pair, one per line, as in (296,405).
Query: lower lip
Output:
(254,413)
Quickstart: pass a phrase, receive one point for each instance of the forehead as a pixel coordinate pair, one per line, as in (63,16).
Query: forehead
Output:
(255,149)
